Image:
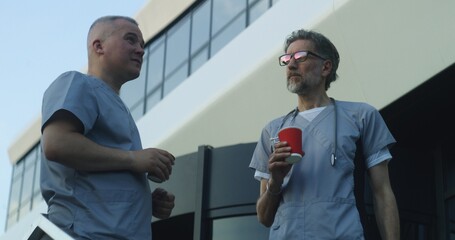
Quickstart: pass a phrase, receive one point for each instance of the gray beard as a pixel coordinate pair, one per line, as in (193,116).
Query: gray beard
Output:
(297,88)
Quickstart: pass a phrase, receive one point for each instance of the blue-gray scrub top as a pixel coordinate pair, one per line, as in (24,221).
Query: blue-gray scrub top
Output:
(318,200)
(95,205)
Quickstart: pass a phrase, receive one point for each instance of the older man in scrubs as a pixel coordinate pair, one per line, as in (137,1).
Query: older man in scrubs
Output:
(314,197)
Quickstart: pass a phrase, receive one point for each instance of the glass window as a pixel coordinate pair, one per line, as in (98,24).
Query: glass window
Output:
(27,185)
(37,198)
(36,182)
(16,186)
(449,171)
(199,59)
(177,52)
(12,219)
(18,169)
(200,30)
(155,65)
(224,11)
(228,34)
(177,47)
(451,216)
(257,8)
(137,111)
(25,208)
(133,91)
(153,99)
(239,228)
(30,158)
(175,79)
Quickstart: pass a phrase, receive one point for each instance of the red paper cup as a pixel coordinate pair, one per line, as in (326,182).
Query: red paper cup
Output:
(293,136)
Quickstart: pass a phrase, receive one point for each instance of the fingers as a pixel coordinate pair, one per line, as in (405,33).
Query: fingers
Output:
(163,203)
(156,162)
(278,167)
(165,163)
(281,152)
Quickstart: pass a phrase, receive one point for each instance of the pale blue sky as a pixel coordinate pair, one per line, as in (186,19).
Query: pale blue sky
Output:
(39,41)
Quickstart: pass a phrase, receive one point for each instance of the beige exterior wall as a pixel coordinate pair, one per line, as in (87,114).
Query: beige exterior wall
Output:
(26,141)
(157,14)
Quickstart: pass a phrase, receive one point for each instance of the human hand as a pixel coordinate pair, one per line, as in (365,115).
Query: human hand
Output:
(156,162)
(162,203)
(278,167)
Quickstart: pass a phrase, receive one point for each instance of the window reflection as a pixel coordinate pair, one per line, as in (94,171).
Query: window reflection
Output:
(200,30)
(175,79)
(155,66)
(256,9)
(239,228)
(177,48)
(16,185)
(199,59)
(231,30)
(224,11)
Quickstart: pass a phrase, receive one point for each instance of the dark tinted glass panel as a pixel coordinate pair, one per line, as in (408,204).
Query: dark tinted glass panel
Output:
(449,171)
(239,228)
(451,217)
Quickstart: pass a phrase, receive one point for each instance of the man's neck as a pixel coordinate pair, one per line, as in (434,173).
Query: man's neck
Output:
(310,102)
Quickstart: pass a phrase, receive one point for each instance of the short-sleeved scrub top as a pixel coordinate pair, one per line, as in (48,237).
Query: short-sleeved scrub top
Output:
(95,205)
(318,198)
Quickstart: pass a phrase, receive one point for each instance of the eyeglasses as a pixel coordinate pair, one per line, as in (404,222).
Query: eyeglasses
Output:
(300,56)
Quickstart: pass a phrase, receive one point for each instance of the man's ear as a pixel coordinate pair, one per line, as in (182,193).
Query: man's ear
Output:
(97,46)
(326,68)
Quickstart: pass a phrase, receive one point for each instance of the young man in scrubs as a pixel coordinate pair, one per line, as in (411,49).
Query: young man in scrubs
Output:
(94,169)
(314,197)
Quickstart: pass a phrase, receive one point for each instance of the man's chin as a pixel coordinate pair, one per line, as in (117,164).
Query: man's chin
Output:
(292,88)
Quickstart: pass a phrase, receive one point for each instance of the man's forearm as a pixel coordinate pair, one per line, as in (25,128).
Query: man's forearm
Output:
(387,217)
(268,203)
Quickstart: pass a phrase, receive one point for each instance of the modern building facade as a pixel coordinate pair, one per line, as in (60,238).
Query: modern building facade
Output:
(210,81)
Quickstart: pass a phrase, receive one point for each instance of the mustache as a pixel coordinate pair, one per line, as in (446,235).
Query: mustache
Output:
(294,74)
